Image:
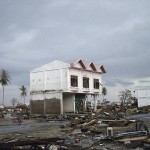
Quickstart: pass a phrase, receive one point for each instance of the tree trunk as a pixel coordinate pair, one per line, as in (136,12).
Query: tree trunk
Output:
(3,96)
(24,100)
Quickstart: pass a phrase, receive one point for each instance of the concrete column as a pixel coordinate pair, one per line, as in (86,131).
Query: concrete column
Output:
(61,103)
(85,108)
(44,103)
(44,80)
(68,79)
(109,131)
(60,70)
(95,104)
(74,103)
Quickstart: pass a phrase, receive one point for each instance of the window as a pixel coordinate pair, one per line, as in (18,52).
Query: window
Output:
(85,82)
(74,81)
(96,83)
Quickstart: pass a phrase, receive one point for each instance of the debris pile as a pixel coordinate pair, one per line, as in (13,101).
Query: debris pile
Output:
(103,129)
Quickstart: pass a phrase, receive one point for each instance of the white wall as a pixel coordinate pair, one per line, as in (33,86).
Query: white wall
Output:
(52,79)
(64,78)
(37,96)
(143,97)
(81,74)
(143,102)
(52,76)
(68,102)
(49,80)
(37,81)
(43,96)
(56,76)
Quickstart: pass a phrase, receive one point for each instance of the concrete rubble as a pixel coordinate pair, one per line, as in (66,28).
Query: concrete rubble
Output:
(101,130)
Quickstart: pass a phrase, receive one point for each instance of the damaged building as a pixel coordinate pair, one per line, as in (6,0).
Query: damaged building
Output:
(59,87)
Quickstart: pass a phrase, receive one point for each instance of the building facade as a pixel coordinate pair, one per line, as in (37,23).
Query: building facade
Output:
(142,93)
(60,87)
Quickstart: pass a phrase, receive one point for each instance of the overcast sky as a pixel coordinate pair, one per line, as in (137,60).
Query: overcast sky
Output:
(114,33)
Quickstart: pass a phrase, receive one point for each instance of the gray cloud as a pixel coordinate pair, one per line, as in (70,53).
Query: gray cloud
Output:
(113,33)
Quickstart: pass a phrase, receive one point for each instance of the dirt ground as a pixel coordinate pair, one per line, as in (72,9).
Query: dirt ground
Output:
(29,128)
(38,128)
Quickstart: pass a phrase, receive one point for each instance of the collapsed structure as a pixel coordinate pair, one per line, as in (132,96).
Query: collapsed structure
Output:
(59,87)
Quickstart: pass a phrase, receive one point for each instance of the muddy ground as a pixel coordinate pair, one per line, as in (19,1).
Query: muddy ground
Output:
(32,127)
(38,128)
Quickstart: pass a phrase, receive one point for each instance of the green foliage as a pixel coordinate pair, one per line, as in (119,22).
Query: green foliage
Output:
(4,77)
(104,92)
(4,80)
(23,93)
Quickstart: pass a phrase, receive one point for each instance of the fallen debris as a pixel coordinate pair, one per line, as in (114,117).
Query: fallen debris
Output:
(131,136)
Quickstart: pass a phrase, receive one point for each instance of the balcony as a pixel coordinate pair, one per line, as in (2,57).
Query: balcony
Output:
(85,89)
(76,89)
(96,90)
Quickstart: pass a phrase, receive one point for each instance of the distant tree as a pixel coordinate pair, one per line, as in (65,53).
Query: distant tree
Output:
(14,101)
(4,80)
(124,96)
(104,92)
(23,90)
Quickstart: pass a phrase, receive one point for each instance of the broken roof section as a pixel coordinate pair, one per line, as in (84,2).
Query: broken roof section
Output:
(93,66)
(80,64)
(102,69)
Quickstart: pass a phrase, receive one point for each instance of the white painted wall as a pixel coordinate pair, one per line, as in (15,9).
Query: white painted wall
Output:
(37,96)
(68,102)
(81,74)
(143,97)
(52,76)
(52,79)
(56,76)
(49,80)
(64,78)
(43,96)
(143,102)
(37,81)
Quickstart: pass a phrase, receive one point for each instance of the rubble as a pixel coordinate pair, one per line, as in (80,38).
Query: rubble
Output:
(103,129)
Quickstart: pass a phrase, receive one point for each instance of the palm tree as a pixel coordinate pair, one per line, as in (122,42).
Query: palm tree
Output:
(23,90)
(4,80)
(104,92)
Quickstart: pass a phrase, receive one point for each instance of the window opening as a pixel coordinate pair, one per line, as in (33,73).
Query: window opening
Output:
(96,83)
(74,81)
(85,82)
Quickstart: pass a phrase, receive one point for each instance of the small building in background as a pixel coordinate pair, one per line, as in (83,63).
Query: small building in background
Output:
(142,93)
(59,87)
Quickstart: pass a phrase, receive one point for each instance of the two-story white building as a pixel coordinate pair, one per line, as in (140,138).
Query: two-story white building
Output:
(59,87)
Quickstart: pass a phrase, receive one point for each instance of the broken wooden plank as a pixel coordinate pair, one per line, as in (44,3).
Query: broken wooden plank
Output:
(86,124)
(131,136)
(25,142)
